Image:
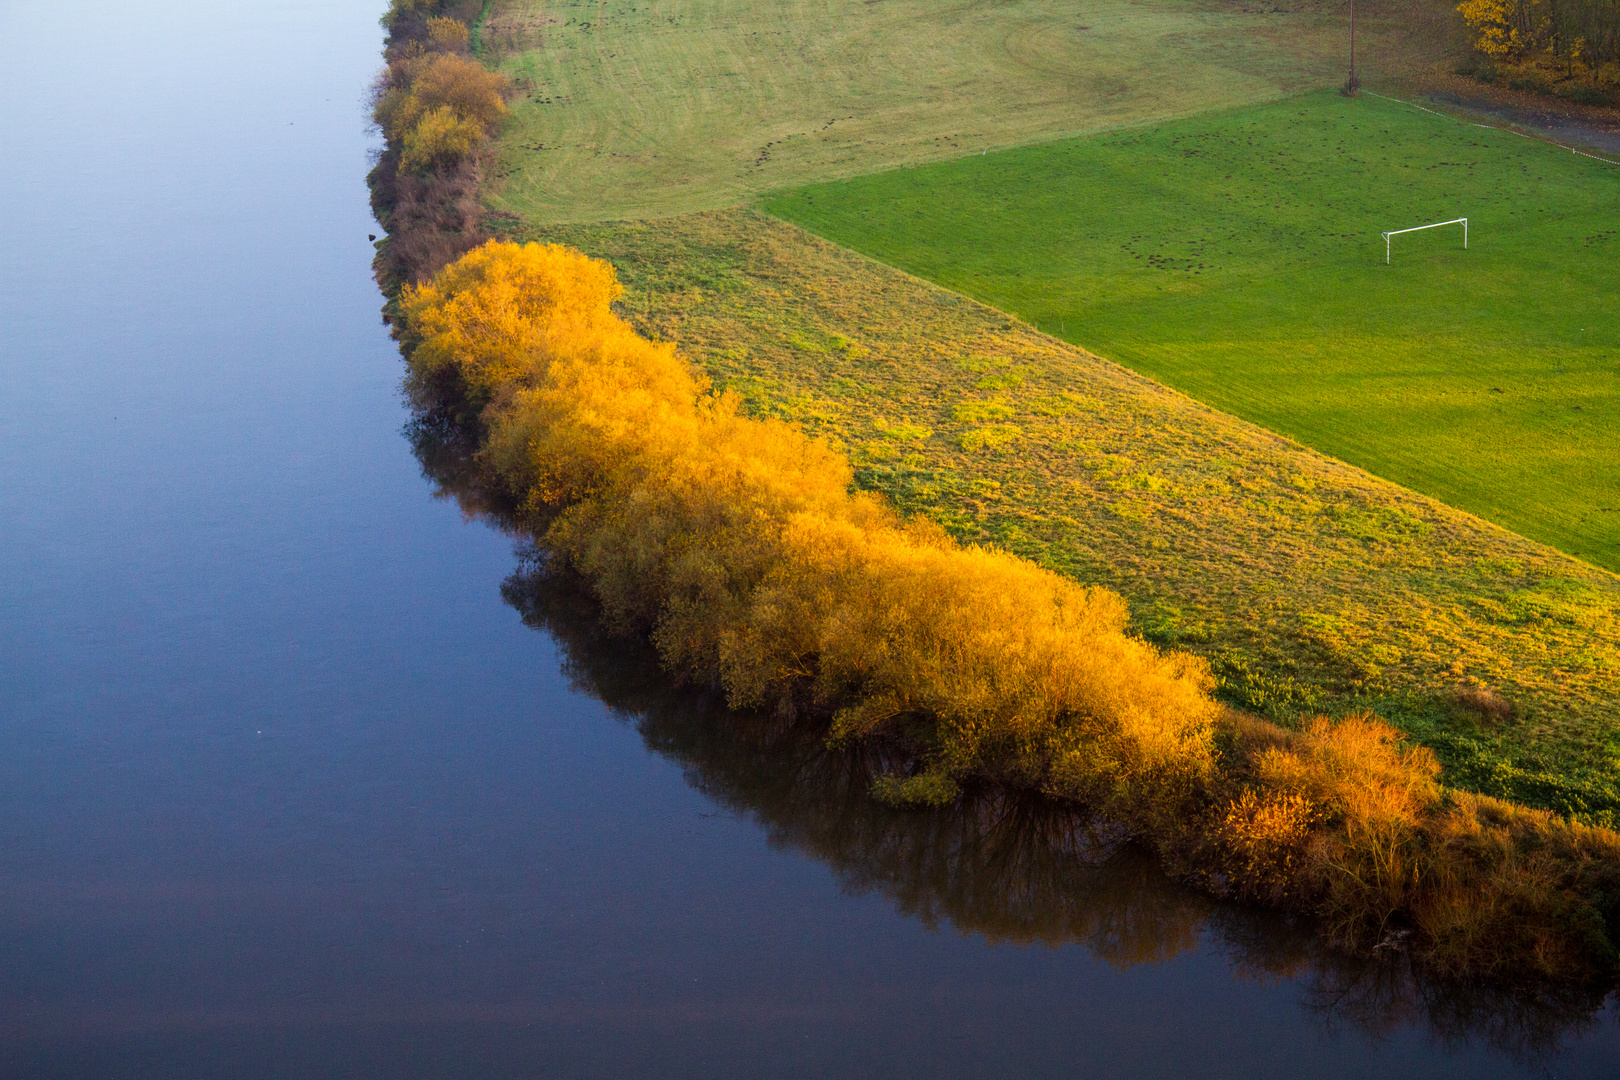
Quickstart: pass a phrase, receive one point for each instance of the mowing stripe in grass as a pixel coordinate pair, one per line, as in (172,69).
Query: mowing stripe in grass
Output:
(669,106)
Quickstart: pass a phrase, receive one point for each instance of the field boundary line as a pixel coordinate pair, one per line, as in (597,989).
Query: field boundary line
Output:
(1496,127)
(1415,105)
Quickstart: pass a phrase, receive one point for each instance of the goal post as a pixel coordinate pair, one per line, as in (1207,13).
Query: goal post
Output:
(1419,228)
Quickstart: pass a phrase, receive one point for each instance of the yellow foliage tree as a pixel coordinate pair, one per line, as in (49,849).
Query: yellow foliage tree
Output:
(439,138)
(737,544)
(431,81)
(490,318)
(447,35)
(1507,29)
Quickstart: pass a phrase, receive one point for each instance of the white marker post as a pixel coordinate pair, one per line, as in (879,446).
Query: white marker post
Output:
(1419,228)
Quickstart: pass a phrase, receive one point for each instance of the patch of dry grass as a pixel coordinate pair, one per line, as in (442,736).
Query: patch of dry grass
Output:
(670,106)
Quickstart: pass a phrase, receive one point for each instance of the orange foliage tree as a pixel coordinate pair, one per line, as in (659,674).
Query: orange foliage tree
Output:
(737,544)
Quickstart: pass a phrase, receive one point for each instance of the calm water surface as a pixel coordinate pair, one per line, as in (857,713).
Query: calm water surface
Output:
(289,788)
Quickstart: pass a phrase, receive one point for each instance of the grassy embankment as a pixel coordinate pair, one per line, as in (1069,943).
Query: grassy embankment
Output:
(1312,585)
(1237,257)
(671,106)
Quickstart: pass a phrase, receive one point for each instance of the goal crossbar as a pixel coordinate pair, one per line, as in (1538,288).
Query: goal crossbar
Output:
(1419,228)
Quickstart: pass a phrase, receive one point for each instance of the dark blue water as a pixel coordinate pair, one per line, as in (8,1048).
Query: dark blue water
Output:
(288,789)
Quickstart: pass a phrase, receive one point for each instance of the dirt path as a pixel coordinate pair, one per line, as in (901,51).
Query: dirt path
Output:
(1593,134)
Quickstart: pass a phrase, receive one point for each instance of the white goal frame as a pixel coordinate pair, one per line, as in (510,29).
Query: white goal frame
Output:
(1419,228)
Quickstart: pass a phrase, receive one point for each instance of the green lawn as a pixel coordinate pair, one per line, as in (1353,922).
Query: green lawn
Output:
(1237,257)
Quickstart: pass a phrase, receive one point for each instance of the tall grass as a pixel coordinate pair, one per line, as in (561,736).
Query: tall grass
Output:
(736,546)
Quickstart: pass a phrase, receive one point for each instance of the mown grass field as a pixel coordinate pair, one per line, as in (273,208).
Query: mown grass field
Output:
(1311,585)
(1237,257)
(670,106)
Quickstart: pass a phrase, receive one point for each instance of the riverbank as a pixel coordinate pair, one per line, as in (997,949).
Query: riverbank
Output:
(1476,884)
(436,107)
(733,545)
(1308,585)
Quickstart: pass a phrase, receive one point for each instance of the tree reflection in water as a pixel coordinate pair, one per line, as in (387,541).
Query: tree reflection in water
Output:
(1011,868)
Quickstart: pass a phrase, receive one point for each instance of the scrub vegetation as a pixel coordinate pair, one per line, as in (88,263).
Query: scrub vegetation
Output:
(437,109)
(736,546)
(1010,866)
(1237,257)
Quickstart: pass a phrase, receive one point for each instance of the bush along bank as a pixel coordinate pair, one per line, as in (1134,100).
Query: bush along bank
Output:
(736,547)
(436,107)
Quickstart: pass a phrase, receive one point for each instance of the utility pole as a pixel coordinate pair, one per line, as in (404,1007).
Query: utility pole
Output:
(1352,84)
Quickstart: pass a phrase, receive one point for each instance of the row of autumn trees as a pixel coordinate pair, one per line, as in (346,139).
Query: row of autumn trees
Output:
(739,547)
(1572,33)
(437,108)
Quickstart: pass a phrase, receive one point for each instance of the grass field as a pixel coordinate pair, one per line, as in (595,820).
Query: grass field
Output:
(670,106)
(1312,585)
(1237,257)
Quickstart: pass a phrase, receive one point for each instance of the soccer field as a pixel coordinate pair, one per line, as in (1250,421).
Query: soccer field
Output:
(1237,257)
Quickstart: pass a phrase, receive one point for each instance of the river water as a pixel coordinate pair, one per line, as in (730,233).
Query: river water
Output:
(299,778)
